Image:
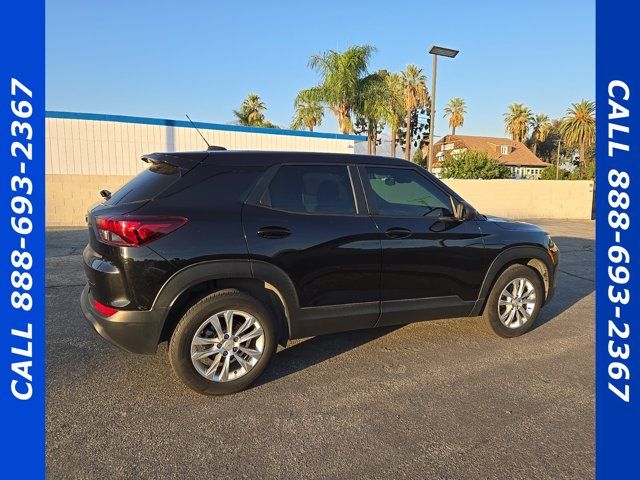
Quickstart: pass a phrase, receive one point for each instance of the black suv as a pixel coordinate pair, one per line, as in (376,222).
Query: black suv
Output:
(227,254)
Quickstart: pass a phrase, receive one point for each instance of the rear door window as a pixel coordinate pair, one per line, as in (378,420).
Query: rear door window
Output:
(319,189)
(147,184)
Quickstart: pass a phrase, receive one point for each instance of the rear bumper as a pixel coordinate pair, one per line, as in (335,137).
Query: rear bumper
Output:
(133,331)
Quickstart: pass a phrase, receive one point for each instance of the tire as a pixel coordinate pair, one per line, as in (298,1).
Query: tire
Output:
(516,320)
(198,334)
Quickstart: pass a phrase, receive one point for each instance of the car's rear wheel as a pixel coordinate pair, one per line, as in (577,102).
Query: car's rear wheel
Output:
(223,343)
(514,301)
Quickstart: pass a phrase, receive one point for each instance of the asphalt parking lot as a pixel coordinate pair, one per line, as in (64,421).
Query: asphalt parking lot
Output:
(439,399)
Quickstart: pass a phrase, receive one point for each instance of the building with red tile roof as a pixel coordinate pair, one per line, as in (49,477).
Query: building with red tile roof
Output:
(515,155)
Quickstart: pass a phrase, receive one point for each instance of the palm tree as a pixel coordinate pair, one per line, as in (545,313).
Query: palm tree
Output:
(341,76)
(541,126)
(251,111)
(393,108)
(370,107)
(309,113)
(578,127)
(517,121)
(415,94)
(455,110)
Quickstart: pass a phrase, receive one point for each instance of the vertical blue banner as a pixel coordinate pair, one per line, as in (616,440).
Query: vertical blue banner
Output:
(22,309)
(617,240)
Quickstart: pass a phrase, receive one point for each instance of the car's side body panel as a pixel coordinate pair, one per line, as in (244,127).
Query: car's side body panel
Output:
(437,259)
(331,259)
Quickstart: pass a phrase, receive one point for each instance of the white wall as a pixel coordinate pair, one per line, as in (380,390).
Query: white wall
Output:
(85,155)
(528,198)
(97,147)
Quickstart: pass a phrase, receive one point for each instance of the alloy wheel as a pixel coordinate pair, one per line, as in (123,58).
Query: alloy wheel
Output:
(516,303)
(227,345)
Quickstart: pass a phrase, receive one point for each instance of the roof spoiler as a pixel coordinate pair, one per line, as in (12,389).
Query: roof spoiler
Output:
(184,162)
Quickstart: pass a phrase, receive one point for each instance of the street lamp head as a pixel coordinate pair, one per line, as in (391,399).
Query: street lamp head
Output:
(443,52)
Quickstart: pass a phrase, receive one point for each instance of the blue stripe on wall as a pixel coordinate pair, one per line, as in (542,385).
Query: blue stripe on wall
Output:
(207,126)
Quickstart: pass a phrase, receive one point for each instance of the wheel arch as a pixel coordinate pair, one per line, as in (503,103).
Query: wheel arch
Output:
(533,256)
(262,280)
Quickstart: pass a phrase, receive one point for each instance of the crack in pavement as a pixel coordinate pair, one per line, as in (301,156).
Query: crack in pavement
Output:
(577,276)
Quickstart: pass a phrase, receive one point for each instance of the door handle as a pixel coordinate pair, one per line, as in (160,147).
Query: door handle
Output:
(274,232)
(397,232)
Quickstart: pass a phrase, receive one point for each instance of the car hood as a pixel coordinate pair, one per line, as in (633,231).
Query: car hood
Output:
(508,224)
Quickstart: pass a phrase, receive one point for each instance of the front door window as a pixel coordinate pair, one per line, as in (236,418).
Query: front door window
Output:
(399,192)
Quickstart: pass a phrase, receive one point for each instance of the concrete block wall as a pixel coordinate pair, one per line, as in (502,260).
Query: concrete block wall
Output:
(69,197)
(528,198)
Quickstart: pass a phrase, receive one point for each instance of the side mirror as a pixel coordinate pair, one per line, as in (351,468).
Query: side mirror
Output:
(465,212)
(106,194)
(460,212)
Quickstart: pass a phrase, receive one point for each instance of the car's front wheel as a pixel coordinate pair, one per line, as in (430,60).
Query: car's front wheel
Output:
(223,343)
(514,301)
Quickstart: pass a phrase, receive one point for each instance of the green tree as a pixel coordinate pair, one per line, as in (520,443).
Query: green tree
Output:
(547,149)
(589,172)
(473,164)
(549,173)
(419,158)
(456,109)
(370,107)
(420,124)
(308,113)
(341,75)
(541,126)
(517,121)
(393,107)
(267,124)
(251,111)
(416,96)
(578,128)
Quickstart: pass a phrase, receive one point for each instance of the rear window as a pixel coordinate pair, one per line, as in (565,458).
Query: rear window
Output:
(320,189)
(147,184)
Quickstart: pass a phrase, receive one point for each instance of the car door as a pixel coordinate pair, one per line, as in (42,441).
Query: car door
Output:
(307,222)
(432,264)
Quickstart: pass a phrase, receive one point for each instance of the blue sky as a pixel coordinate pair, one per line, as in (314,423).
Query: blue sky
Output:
(166,58)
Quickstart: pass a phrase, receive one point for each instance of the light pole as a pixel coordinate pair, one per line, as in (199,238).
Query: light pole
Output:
(443,52)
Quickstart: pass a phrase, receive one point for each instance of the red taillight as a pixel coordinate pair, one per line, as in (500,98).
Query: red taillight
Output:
(133,231)
(104,309)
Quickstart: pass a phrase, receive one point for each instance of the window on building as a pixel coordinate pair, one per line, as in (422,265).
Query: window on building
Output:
(322,189)
(504,149)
